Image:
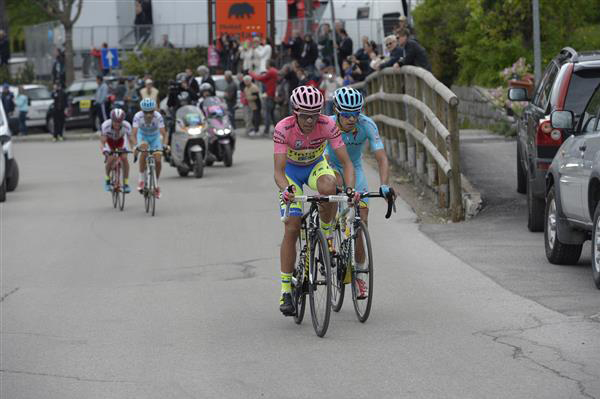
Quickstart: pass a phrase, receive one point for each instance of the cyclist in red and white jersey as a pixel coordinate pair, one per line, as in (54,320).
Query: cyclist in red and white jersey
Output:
(300,142)
(115,134)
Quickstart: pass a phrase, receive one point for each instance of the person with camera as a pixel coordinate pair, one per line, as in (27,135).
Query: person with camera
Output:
(396,52)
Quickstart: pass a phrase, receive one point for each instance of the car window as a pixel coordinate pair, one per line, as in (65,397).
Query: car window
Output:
(543,95)
(555,96)
(38,93)
(76,89)
(90,87)
(581,88)
(590,115)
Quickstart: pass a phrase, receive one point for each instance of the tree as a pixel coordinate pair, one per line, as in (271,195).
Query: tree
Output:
(63,11)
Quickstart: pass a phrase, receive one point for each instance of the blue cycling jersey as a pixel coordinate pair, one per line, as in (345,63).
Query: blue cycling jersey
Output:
(365,130)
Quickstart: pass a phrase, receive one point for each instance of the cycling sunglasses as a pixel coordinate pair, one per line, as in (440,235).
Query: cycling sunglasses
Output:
(349,115)
(148,112)
(305,116)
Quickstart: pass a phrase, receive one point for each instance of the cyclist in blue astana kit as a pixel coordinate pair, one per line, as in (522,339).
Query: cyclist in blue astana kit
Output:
(356,129)
(148,127)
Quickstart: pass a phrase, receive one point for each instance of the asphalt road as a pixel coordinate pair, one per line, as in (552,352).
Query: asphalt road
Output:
(497,241)
(97,303)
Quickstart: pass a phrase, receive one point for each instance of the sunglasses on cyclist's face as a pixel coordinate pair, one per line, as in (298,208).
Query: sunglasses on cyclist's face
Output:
(348,115)
(305,117)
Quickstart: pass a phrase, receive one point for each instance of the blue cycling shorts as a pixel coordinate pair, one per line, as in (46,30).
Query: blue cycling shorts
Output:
(153,140)
(361,184)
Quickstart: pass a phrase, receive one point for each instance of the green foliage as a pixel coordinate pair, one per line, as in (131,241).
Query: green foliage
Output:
(472,40)
(439,25)
(163,63)
(25,76)
(20,14)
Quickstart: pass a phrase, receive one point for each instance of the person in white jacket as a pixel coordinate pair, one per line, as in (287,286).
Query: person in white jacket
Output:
(246,53)
(262,54)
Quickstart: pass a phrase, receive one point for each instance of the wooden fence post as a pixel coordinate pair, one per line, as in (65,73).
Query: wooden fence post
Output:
(456,185)
(420,125)
(440,111)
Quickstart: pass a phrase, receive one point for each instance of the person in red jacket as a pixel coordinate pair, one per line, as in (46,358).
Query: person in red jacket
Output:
(269,79)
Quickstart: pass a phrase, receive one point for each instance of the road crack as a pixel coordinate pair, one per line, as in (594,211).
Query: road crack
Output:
(507,337)
(8,294)
(68,377)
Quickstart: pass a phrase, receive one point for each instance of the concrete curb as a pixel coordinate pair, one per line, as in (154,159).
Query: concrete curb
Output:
(46,137)
(471,198)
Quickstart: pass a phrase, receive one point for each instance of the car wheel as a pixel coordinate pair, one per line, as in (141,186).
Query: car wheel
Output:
(557,252)
(535,211)
(596,247)
(521,181)
(3,191)
(12,179)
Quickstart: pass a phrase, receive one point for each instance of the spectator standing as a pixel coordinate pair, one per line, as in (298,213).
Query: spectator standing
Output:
(142,21)
(58,67)
(269,79)
(149,91)
(262,54)
(328,86)
(295,46)
(97,57)
(231,90)
(234,56)
(132,98)
(396,52)
(224,48)
(414,53)
(345,47)
(60,105)
(245,105)
(4,48)
(252,94)
(8,100)
(326,45)
(101,104)
(205,77)
(166,43)
(339,25)
(309,55)
(22,103)
(246,55)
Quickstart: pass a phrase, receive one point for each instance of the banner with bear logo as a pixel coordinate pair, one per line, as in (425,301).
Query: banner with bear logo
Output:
(241,17)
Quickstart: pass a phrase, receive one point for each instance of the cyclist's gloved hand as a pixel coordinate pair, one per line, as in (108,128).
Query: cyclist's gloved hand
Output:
(105,153)
(386,191)
(288,194)
(355,195)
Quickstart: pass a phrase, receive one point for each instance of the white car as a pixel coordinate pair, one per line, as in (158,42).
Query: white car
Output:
(40,100)
(9,170)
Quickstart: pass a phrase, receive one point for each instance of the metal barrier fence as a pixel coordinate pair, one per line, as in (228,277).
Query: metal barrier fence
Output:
(418,119)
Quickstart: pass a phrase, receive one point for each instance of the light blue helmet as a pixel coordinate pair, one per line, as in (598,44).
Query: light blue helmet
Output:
(147,104)
(348,99)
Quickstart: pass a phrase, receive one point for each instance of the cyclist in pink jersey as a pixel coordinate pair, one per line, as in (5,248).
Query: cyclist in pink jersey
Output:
(300,141)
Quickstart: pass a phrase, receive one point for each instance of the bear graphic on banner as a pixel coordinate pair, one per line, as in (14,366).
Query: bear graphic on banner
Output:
(241,10)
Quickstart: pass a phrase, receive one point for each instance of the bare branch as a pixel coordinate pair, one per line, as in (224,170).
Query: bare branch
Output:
(79,5)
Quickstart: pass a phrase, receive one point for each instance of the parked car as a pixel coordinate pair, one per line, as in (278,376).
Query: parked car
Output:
(9,170)
(40,99)
(567,83)
(81,94)
(573,189)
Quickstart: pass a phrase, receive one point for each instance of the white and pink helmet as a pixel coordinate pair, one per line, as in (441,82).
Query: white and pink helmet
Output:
(307,99)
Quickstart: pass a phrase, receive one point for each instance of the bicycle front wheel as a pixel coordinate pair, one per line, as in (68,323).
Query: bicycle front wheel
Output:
(114,192)
(363,269)
(319,285)
(152,192)
(299,278)
(121,190)
(338,269)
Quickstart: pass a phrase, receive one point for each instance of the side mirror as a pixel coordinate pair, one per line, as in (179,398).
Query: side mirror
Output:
(562,119)
(517,94)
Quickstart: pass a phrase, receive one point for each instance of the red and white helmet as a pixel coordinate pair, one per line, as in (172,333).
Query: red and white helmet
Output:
(307,99)
(117,115)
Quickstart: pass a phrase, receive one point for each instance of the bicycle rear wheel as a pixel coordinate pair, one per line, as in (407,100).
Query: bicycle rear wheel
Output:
(121,191)
(152,192)
(319,285)
(338,269)
(298,284)
(362,306)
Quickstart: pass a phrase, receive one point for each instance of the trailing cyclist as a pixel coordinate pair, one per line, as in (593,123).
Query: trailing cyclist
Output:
(148,127)
(112,138)
(356,129)
(300,142)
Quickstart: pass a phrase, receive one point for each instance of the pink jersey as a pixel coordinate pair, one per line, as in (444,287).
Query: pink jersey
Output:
(305,149)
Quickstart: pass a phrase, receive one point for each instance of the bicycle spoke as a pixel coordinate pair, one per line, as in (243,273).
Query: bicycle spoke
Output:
(363,269)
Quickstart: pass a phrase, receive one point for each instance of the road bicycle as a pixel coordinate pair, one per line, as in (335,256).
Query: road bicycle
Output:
(312,273)
(149,190)
(116,178)
(350,240)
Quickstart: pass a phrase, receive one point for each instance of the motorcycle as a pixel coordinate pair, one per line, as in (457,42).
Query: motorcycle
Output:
(189,147)
(221,137)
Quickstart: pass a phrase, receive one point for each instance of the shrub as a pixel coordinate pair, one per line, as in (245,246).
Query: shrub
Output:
(163,64)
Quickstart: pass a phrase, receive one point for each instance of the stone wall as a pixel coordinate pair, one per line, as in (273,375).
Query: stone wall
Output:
(476,110)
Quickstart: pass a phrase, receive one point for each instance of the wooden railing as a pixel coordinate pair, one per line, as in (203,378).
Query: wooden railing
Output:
(417,119)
